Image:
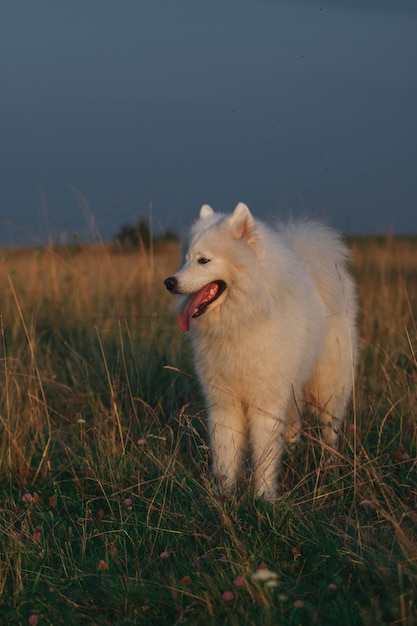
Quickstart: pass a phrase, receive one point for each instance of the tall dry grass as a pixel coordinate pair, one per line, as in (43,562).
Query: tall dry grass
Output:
(86,284)
(66,315)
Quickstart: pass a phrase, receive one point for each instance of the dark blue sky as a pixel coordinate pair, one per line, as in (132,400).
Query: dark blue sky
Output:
(308,107)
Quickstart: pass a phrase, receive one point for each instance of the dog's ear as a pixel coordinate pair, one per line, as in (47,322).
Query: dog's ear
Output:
(242,223)
(206,211)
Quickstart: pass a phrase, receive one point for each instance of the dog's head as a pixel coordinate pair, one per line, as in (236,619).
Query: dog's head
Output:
(212,261)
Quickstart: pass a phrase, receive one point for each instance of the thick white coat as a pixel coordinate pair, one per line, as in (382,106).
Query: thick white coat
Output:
(283,332)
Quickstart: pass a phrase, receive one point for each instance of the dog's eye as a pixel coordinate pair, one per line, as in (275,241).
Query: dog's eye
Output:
(202,260)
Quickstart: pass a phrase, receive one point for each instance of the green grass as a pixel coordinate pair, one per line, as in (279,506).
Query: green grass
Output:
(108,513)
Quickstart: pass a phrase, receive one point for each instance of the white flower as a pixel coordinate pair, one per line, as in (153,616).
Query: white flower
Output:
(266,576)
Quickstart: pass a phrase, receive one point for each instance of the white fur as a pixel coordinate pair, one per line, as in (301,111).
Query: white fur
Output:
(283,332)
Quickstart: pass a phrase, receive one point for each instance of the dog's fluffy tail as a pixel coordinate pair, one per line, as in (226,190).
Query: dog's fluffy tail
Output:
(324,255)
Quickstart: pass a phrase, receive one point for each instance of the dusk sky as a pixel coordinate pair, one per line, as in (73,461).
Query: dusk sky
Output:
(291,107)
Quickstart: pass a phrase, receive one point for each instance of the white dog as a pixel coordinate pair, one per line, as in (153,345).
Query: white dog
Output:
(272,315)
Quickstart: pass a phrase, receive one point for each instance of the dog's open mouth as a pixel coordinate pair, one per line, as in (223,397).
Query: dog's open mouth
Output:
(198,303)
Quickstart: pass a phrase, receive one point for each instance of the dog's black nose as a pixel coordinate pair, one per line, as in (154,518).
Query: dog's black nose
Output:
(170,283)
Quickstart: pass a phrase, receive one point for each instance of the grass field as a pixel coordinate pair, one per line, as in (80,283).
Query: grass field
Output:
(108,514)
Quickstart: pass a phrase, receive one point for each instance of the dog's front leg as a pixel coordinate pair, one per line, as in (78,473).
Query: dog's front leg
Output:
(267,435)
(227,436)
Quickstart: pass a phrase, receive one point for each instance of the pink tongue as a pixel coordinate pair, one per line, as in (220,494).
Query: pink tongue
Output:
(191,306)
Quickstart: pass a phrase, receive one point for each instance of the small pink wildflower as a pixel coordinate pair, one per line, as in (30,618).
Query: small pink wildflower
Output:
(239,581)
(296,551)
(299,604)
(164,555)
(141,442)
(128,502)
(332,587)
(113,551)
(399,452)
(351,427)
(36,537)
(52,500)
(405,456)
(33,619)
(227,596)
(102,565)
(27,497)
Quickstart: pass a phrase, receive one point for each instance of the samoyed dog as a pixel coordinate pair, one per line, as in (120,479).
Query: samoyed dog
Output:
(272,319)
